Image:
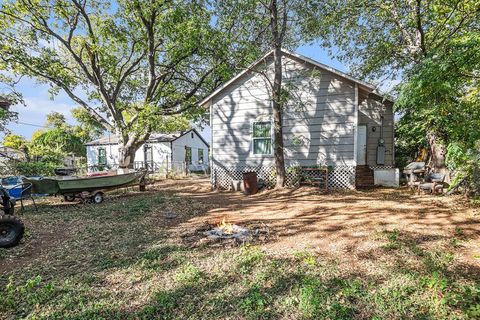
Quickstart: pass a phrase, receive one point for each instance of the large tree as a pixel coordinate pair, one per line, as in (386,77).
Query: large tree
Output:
(6,115)
(268,25)
(392,39)
(135,66)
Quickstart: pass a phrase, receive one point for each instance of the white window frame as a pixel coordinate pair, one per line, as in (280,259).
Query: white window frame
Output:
(198,156)
(252,151)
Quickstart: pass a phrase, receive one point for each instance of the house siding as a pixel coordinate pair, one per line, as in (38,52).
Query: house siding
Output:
(195,143)
(370,111)
(318,123)
(161,153)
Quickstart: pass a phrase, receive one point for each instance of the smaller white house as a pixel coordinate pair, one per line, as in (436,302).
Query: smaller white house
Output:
(177,151)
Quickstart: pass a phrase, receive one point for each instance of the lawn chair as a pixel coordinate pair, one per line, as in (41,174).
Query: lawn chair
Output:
(434,183)
(24,194)
(415,171)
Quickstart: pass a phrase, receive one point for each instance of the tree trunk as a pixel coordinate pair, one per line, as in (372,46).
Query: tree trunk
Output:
(277,99)
(438,152)
(127,155)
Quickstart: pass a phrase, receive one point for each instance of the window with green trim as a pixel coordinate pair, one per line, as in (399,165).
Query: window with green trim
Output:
(262,137)
(200,156)
(102,156)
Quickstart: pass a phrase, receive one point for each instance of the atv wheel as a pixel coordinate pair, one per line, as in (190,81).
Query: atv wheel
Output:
(11,231)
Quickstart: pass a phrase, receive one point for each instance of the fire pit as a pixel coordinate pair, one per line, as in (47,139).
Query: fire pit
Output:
(228,231)
(227,234)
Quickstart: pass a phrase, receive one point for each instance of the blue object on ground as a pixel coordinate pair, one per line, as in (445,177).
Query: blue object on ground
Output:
(11,181)
(15,192)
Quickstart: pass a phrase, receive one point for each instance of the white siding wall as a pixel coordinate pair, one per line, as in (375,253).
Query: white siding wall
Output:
(193,142)
(161,152)
(112,155)
(318,123)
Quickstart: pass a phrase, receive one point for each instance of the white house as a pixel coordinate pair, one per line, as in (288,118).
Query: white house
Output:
(162,151)
(331,120)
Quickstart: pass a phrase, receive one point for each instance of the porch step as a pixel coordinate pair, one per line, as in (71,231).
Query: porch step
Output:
(364,177)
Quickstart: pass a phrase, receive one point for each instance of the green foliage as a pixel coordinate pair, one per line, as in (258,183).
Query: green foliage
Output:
(188,274)
(88,128)
(15,142)
(130,64)
(33,168)
(254,303)
(380,38)
(33,292)
(465,163)
(249,257)
(6,116)
(328,300)
(56,120)
(54,144)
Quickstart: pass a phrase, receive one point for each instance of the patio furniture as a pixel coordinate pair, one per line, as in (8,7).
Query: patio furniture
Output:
(24,193)
(434,183)
(415,172)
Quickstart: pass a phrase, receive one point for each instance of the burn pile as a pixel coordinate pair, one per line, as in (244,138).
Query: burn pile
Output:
(228,234)
(228,231)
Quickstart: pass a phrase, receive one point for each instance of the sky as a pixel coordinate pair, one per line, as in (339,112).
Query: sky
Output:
(39,103)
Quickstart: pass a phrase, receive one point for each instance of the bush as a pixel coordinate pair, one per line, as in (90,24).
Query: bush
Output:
(37,168)
(465,162)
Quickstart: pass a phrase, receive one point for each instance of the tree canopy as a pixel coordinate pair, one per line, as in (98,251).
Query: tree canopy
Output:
(134,66)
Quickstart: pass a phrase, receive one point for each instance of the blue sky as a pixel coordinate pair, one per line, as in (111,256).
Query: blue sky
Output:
(38,103)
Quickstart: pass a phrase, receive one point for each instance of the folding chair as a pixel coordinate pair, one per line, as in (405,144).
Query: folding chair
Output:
(25,194)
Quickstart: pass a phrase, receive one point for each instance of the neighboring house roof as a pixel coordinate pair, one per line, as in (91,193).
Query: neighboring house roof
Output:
(4,103)
(367,86)
(154,137)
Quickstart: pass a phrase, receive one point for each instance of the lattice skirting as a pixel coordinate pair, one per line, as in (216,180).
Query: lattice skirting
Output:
(381,167)
(339,177)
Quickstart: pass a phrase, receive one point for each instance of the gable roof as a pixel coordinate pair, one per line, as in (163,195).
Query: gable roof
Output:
(365,85)
(154,137)
(196,132)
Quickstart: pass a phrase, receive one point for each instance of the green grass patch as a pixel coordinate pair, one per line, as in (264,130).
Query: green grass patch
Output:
(115,262)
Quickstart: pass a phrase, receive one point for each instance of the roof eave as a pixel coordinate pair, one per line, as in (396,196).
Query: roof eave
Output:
(369,87)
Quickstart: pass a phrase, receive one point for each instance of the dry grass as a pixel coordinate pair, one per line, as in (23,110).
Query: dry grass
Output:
(358,254)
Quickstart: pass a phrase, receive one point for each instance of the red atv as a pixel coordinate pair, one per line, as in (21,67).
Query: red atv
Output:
(11,228)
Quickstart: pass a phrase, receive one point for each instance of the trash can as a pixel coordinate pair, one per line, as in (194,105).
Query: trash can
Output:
(250,182)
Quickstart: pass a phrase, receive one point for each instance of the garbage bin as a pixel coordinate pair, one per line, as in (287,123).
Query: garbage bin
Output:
(250,182)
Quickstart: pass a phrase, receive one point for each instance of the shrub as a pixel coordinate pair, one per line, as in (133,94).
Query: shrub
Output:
(37,168)
(465,162)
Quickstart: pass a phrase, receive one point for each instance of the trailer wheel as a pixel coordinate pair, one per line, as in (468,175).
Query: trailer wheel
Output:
(69,197)
(97,198)
(11,231)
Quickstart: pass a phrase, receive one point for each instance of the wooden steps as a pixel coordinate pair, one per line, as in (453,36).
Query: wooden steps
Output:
(364,177)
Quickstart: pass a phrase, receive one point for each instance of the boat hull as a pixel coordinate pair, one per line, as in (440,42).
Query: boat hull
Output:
(98,183)
(77,185)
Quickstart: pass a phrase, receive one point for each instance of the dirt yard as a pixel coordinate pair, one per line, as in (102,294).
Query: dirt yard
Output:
(344,224)
(380,253)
